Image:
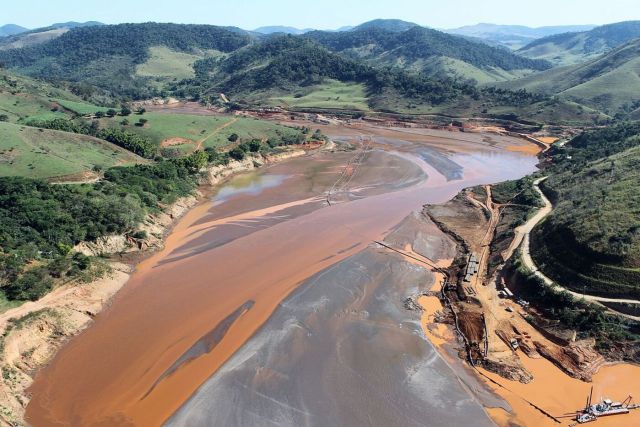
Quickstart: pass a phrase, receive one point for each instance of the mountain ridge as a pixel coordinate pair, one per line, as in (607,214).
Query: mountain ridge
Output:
(573,48)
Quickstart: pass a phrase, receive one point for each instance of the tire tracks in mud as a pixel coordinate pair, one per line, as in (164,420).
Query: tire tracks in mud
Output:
(349,171)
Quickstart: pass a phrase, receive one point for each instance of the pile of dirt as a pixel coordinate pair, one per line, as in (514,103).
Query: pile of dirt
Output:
(508,367)
(579,360)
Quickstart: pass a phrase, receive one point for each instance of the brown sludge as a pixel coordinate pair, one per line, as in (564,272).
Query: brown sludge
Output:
(259,243)
(541,375)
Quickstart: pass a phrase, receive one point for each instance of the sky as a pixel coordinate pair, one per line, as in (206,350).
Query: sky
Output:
(320,14)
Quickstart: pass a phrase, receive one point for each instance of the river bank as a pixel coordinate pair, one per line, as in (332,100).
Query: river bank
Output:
(229,264)
(33,332)
(545,378)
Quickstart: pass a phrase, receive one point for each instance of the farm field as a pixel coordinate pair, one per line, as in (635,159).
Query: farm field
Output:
(79,107)
(42,153)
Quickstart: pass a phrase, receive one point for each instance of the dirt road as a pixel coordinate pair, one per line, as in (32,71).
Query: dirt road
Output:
(523,233)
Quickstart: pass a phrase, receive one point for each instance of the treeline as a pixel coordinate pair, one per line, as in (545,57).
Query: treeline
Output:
(596,144)
(42,222)
(423,43)
(128,140)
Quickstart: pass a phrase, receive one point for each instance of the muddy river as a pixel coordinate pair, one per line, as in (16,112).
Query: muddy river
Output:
(271,303)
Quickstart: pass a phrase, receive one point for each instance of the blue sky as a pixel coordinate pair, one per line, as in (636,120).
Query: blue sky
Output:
(322,14)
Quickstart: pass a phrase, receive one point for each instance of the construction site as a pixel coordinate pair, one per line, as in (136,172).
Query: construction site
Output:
(498,332)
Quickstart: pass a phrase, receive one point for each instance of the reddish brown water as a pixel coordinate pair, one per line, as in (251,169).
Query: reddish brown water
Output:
(229,263)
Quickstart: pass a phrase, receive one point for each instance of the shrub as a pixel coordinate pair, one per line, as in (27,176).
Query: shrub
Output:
(237,154)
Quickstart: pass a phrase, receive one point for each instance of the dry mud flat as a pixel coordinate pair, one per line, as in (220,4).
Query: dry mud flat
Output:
(230,263)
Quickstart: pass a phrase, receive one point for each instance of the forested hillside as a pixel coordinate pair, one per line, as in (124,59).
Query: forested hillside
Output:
(592,239)
(106,56)
(420,49)
(380,65)
(288,64)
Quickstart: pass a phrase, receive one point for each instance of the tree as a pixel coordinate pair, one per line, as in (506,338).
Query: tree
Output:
(124,122)
(94,127)
(233,137)
(99,114)
(140,111)
(237,154)
(142,122)
(4,118)
(254,145)
(111,112)
(125,111)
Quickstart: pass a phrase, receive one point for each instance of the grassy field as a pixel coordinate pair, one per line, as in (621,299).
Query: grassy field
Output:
(332,94)
(167,63)
(40,153)
(80,107)
(23,99)
(208,131)
(565,52)
(482,76)
(20,107)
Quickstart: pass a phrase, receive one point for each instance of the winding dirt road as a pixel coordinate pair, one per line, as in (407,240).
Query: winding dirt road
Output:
(523,234)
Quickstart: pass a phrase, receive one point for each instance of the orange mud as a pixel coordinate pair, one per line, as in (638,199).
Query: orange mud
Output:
(187,309)
(561,395)
(438,333)
(551,390)
(528,149)
(547,139)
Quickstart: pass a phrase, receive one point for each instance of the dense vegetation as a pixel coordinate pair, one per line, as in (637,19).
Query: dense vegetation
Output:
(42,222)
(106,56)
(592,239)
(419,43)
(76,49)
(612,333)
(288,63)
(128,140)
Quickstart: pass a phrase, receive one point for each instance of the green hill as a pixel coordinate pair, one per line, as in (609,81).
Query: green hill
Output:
(414,70)
(592,239)
(425,50)
(390,25)
(294,72)
(610,83)
(23,99)
(573,48)
(108,56)
(44,153)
